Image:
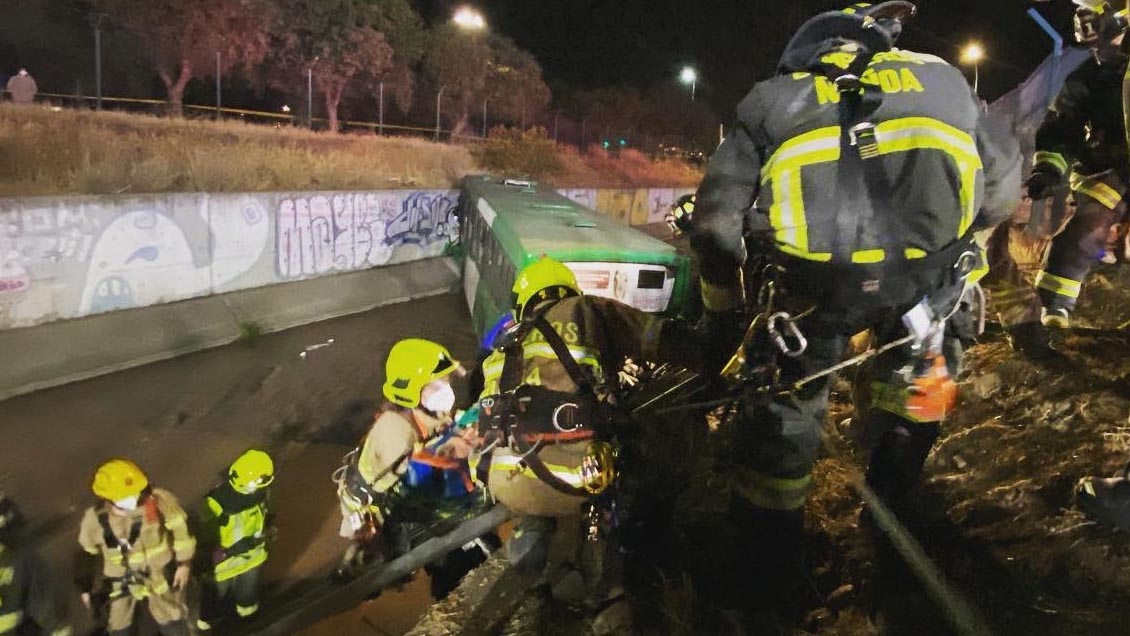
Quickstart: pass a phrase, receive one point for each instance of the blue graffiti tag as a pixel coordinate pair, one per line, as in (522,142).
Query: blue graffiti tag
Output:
(425,218)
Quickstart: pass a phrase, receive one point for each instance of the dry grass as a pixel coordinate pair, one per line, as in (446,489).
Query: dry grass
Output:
(77,152)
(44,152)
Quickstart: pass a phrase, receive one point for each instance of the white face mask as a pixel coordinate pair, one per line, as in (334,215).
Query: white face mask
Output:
(128,504)
(438,397)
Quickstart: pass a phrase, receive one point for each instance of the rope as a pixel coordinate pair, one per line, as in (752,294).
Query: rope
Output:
(961,614)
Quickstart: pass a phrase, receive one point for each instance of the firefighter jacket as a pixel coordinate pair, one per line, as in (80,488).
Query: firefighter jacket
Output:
(394,437)
(600,334)
(239,524)
(27,596)
(902,177)
(1085,125)
(136,547)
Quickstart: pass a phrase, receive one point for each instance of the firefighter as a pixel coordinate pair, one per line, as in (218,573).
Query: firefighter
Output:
(141,535)
(28,604)
(412,449)
(547,417)
(868,169)
(1083,140)
(237,522)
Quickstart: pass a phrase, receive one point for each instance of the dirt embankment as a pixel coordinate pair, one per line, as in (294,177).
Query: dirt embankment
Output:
(52,152)
(996,513)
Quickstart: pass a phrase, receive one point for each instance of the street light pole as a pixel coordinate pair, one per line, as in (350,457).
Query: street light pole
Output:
(585,131)
(381,108)
(310,97)
(556,115)
(484,118)
(439,102)
(219,97)
(97,21)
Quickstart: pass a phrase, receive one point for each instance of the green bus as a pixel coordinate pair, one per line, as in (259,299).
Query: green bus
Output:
(507,223)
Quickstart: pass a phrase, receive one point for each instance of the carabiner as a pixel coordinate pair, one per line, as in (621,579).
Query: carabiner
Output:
(793,331)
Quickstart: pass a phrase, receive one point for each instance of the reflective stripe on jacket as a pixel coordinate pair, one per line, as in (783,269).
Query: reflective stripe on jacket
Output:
(922,170)
(240,522)
(163,535)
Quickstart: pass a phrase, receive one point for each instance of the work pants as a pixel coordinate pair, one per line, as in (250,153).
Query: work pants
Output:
(777,440)
(165,604)
(1099,205)
(241,590)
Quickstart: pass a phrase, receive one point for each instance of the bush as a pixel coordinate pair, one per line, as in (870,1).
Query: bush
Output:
(514,153)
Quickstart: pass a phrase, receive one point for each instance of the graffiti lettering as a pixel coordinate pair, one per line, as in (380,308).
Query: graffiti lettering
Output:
(345,232)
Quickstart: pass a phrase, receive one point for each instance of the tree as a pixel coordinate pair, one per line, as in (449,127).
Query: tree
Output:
(472,67)
(345,41)
(182,37)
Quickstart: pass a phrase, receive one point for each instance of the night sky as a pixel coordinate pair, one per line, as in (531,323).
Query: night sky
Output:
(592,43)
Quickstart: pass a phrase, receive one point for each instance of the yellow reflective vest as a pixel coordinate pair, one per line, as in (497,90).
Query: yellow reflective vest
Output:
(240,525)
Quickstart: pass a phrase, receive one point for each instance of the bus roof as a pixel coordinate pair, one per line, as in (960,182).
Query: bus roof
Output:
(530,220)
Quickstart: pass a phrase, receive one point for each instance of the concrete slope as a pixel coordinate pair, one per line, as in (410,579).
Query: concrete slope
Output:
(71,350)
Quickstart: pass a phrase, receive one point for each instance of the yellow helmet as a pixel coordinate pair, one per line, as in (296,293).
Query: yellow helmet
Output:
(411,365)
(544,279)
(118,479)
(252,471)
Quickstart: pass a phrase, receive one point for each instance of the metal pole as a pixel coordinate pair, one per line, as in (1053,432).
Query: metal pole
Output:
(976,78)
(381,99)
(310,97)
(484,119)
(98,58)
(555,117)
(439,102)
(694,84)
(584,131)
(1057,51)
(219,95)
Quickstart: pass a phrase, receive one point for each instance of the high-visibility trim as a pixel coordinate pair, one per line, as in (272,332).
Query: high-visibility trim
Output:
(175,522)
(10,621)
(137,558)
(783,171)
(240,564)
(1059,285)
(1097,190)
(184,545)
(912,253)
(925,133)
(512,464)
(244,612)
(1053,159)
(893,399)
(868,256)
(492,369)
(63,631)
(775,493)
(719,298)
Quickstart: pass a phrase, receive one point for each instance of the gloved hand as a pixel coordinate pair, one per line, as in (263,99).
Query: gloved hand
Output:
(1041,183)
(722,332)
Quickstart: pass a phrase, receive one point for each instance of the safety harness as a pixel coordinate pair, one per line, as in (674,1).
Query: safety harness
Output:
(527,417)
(133,582)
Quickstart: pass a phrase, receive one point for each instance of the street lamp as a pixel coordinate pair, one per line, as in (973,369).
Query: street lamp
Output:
(972,55)
(469,18)
(690,77)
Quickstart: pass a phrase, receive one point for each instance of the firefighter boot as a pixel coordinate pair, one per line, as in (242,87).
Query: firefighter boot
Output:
(1107,501)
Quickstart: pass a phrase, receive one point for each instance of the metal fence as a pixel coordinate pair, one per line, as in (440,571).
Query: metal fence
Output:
(196,111)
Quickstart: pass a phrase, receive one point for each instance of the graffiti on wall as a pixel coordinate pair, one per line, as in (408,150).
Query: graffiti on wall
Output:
(348,231)
(632,206)
(149,255)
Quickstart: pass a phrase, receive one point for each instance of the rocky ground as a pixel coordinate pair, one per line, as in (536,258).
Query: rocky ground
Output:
(996,514)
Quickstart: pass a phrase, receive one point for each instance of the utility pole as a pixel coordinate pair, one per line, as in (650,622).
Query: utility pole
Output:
(381,99)
(439,103)
(484,118)
(556,116)
(96,20)
(219,95)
